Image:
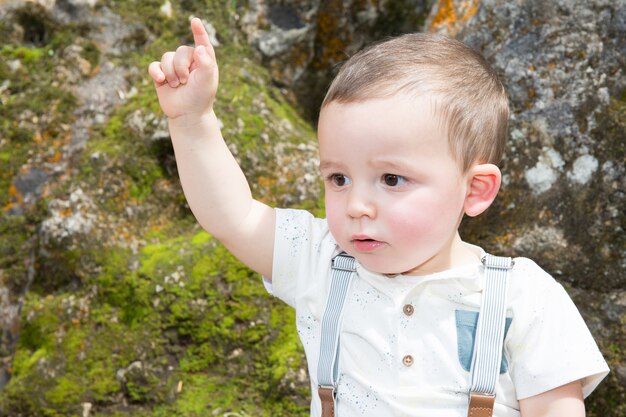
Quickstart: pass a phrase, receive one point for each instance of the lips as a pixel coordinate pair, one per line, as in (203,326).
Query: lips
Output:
(365,244)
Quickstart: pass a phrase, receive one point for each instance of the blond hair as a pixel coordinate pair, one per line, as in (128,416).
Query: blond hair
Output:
(469,98)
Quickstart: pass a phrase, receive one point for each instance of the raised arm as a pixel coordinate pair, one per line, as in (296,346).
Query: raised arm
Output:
(215,187)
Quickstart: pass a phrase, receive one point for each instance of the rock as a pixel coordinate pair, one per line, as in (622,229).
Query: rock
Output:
(86,409)
(71,220)
(28,186)
(563,65)
(302,42)
(166,9)
(133,367)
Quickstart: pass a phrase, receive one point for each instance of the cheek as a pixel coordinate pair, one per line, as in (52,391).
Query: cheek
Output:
(426,218)
(410,225)
(334,213)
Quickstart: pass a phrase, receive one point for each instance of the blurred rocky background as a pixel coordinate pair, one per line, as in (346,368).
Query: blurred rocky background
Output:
(114,303)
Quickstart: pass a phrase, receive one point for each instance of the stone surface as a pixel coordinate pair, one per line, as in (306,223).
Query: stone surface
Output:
(563,65)
(303,41)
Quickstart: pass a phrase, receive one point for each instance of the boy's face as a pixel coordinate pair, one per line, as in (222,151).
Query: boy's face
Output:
(394,194)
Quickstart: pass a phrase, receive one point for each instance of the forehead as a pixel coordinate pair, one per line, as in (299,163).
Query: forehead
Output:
(400,127)
(390,120)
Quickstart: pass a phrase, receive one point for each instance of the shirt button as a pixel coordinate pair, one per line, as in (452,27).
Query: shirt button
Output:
(407,360)
(408,309)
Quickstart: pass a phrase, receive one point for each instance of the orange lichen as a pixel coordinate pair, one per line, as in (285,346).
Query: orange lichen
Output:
(66,212)
(334,39)
(56,157)
(265,182)
(15,193)
(503,239)
(445,14)
(38,138)
(452,16)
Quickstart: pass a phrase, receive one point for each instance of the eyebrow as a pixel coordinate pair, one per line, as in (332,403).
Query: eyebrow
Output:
(392,163)
(323,165)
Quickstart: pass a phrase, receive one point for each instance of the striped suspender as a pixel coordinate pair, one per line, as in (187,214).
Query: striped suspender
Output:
(488,344)
(327,368)
(489,337)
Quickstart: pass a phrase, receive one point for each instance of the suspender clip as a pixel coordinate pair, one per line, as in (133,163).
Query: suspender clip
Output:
(343,262)
(498,262)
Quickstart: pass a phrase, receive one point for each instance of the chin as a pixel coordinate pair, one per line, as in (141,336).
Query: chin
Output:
(377,267)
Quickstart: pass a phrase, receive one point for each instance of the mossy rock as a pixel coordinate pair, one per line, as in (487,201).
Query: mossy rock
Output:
(142,314)
(188,318)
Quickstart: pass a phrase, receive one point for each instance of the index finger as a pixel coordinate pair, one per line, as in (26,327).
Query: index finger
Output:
(200,35)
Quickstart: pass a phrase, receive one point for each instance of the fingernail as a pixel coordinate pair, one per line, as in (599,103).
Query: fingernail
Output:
(174,83)
(183,81)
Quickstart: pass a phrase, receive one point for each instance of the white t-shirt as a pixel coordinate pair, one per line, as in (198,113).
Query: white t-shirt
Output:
(547,343)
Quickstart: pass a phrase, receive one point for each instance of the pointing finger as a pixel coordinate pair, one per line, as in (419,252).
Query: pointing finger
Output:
(200,35)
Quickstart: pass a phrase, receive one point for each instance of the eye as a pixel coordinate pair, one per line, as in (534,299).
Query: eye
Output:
(393,180)
(338,180)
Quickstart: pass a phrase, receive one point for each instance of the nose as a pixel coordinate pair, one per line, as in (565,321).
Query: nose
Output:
(360,204)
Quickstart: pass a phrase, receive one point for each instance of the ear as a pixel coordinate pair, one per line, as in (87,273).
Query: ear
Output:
(483,185)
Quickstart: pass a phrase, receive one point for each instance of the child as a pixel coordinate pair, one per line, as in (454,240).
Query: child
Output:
(409,135)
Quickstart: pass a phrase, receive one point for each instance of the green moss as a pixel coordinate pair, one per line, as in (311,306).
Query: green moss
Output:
(133,166)
(286,352)
(180,304)
(31,90)
(146,11)
(24,360)
(194,398)
(199,325)
(37,331)
(28,55)
(16,246)
(65,396)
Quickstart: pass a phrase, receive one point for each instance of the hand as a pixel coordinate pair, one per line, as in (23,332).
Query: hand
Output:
(186,80)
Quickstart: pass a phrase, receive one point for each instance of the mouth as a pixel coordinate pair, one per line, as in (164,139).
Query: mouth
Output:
(365,244)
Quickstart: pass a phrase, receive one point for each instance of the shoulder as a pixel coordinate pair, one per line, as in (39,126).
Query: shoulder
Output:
(299,227)
(532,289)
(295,219)
(303,249)
(301,240)
(535,296)
(527,273)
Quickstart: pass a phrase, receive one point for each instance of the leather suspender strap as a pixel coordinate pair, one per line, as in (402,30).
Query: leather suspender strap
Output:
(481,405)
(327,397)
(343,269)
(489,341)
